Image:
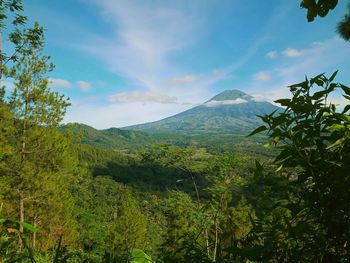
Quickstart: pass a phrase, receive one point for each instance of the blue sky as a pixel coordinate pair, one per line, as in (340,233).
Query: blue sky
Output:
(128,62)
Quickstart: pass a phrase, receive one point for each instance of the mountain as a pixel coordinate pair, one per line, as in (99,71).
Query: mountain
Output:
(220,123)
(231,111)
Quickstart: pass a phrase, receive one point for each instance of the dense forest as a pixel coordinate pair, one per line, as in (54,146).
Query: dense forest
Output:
(280,195)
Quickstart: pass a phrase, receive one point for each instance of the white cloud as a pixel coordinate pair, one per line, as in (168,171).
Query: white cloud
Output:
(271,54)
(183,80)
(213,103)
(262,75)
(59,83)
(144,97)
(83,85)
(292,53)
(120,114)
(317,58)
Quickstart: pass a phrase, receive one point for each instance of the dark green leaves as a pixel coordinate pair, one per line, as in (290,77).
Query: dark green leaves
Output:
(343,27)
(318,7)
(345,89)
(257,130)
(283,102)
(314,142)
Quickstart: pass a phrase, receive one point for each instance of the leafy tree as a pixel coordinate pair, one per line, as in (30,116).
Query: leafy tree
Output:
(344,26)
(34,158)
(318,7)
(36,110)
(321,8)
(184,227)
(8,249)
(109,219)
(312,220)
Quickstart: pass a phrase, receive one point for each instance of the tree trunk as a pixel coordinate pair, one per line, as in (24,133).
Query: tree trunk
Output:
(34,234)
(216,240)
(20,176)
(21,215)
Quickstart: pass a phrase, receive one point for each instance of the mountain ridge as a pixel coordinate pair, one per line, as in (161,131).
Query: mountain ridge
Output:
(229,111)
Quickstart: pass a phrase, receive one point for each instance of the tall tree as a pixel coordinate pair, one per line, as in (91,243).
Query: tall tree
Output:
(36,112)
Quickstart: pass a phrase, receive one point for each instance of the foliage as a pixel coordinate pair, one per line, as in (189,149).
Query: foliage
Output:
(36,167)
(132,141)
(344,26)
(310,221)
(8,241)
(138,256)
(321,8)
(92,200)
(318,7)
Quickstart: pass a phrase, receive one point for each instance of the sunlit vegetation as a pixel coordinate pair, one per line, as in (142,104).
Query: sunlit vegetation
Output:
(75,194)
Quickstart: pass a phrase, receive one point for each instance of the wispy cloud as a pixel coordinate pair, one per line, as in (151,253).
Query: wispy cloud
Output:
(142,97)
(183,80)
(272,54)
(262,75)
(292,53)
(146,36)
(59,83)
(317,58)
(84,85)
(213,103)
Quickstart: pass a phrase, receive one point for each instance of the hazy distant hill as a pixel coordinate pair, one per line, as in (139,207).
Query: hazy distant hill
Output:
(230,111)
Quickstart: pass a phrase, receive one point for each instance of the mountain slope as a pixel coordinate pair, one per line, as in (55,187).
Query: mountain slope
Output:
(113,138)
(230,111)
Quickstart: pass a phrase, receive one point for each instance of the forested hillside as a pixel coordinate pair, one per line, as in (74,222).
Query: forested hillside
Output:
(72,193)
(129,141)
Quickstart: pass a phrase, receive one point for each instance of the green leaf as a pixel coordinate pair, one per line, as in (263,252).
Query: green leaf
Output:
(345,89)
(301,84)
(319,81)
(27,226)
(337,143)
(319,94)
(138,256)
(333,76)
(346,108)
(257,130)
(284,102)
(279,168)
